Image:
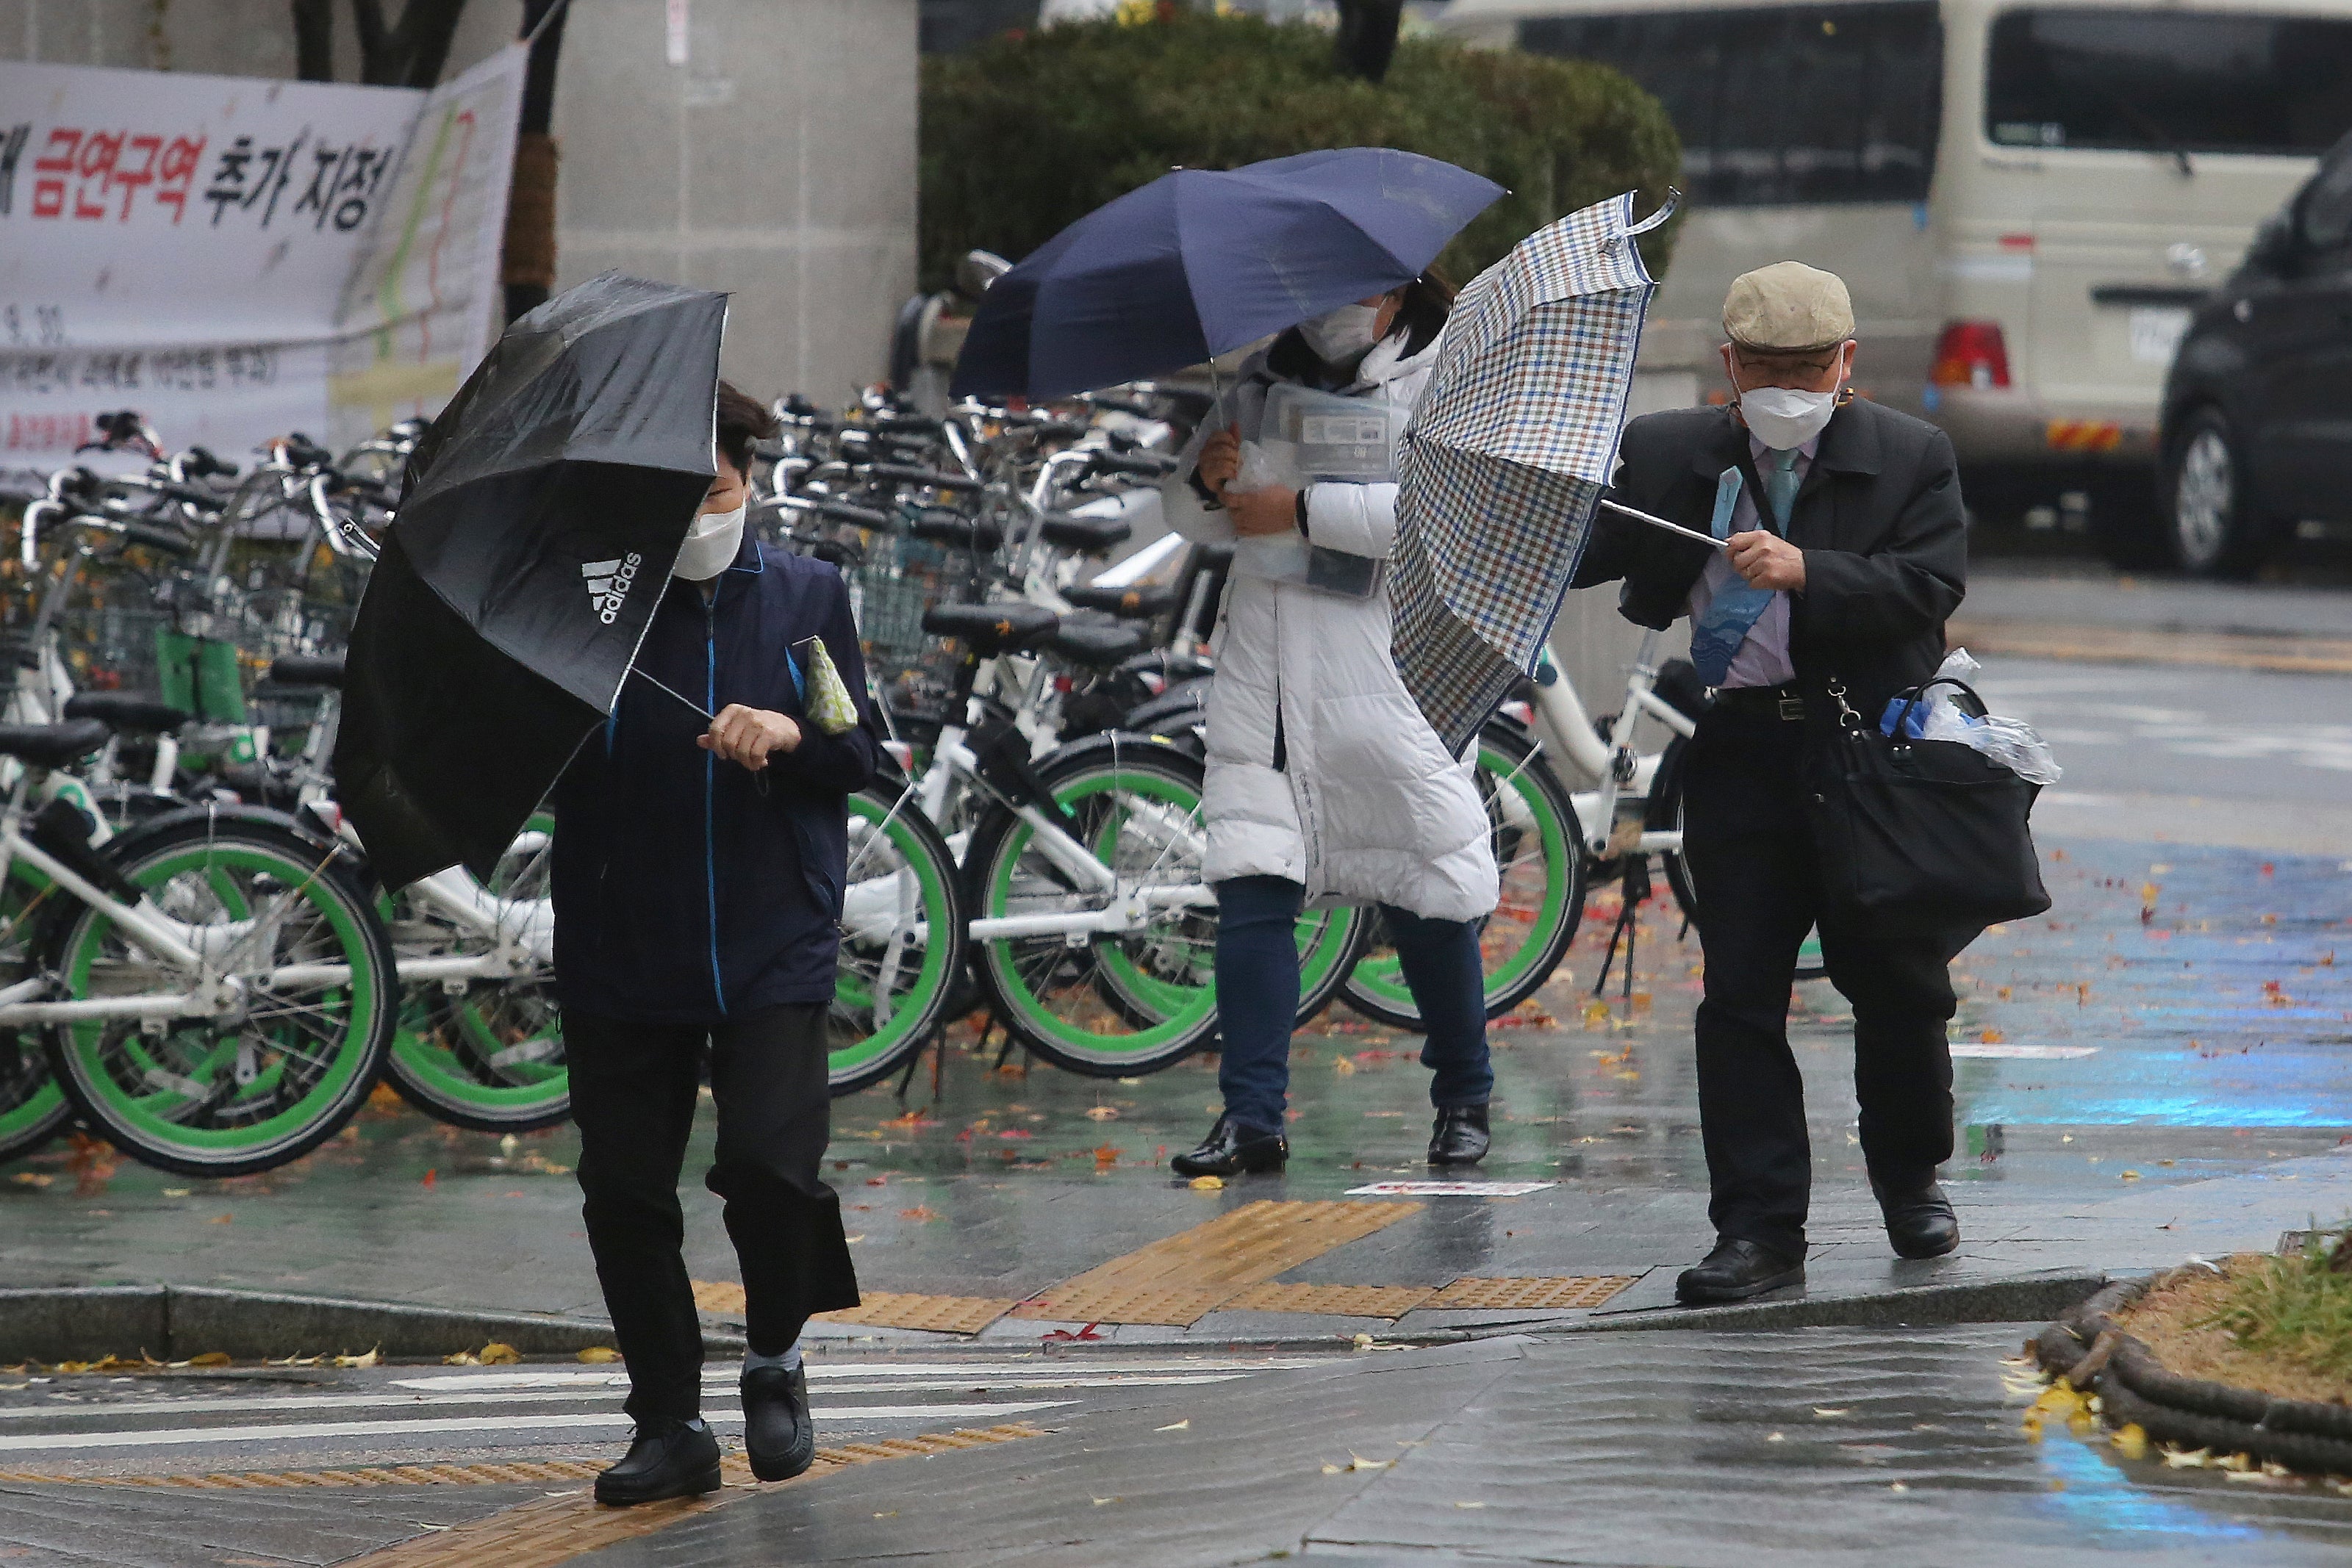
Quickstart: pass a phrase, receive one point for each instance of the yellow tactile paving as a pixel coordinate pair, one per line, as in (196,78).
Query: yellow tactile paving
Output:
(944,1314)
(1541,1295)
(1182,1279)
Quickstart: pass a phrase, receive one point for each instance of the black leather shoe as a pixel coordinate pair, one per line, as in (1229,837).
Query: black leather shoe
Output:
(1737,1269)
(1232,1148)
(1459,1136)
(674,1458)
(776,1425)
(1920,1223)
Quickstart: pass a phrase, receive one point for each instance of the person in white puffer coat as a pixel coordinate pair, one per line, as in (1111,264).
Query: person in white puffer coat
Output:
(1325,781)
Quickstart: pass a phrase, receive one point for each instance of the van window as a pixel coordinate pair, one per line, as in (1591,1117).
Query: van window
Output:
(1780,104)
(2168,81)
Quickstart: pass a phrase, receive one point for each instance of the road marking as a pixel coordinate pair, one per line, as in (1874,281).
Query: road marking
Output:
(316,1430)
(548,1396)
(2023,1053)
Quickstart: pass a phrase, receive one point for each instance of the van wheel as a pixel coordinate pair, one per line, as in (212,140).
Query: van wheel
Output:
(2211,525)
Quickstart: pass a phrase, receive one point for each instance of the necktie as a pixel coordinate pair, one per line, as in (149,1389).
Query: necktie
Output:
(1716,638)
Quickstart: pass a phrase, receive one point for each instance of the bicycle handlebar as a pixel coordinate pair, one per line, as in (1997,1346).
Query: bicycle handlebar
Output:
(907,473)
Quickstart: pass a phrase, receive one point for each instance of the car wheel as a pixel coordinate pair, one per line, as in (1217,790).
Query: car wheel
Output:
(2213,528)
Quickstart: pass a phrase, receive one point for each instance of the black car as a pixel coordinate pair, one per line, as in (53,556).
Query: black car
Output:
(2257,423)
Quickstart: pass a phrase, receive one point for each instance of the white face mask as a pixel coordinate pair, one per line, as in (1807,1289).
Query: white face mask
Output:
(1338,336)
(711,546)
(1784,418)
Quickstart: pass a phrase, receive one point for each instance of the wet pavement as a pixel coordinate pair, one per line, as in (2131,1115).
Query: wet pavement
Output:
(2180,1018)
(1820,1446)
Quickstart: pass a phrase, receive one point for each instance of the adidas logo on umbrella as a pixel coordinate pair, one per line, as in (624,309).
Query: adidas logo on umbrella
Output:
(609,582)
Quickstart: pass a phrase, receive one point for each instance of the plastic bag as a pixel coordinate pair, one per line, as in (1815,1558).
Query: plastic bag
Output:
(1938,715)
(828,701)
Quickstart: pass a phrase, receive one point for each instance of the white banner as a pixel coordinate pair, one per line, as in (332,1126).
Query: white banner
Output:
(238,259)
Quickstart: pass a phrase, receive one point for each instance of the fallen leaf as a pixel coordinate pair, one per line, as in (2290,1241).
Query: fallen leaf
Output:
(892,1513)
(370,1359)
(221,1219)
(1100,1501)
(1341,1065)
(1101,1114)
(1776,1437)
(432,1177)
(2131,1440)
(1825,1413)
(496,1354)
(32,1179)
(1206,1184)
(209,1358)
(177,1191)
(922,1214)
(1990,1036)
(2130,1176)
(1184,1426)
(1469,1505)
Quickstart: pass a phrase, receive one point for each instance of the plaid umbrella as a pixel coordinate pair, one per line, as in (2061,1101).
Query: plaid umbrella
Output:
(1504,459)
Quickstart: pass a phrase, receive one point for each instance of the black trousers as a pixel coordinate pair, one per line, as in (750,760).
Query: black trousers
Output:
(1752,857)
(634,1087)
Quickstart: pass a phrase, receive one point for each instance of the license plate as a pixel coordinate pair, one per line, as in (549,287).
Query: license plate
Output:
(2155,332)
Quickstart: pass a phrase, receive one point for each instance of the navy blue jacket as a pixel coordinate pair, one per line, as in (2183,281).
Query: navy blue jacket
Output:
(684,890)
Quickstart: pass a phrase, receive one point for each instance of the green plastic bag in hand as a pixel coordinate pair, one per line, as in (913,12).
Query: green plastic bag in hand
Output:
(828,698)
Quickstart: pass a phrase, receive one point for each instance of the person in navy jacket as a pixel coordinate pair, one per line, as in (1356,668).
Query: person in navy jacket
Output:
(699,872)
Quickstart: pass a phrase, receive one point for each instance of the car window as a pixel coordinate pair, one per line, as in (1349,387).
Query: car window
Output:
(2168,81)
(2328,201)
(1780,103)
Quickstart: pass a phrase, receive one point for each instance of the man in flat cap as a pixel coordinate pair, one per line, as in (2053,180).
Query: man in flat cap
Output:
(1844,550)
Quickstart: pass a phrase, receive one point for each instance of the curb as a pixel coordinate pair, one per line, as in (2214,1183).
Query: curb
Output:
(172,1323)
(2086,1350)
(2036,1298)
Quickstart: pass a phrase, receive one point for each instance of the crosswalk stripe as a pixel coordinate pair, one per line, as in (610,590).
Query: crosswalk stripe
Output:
(603,1390)
(314,1431)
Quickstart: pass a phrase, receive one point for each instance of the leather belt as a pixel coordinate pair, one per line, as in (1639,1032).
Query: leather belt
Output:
(1775,701)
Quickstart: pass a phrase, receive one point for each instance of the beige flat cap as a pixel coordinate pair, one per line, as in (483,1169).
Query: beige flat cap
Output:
(1787,307)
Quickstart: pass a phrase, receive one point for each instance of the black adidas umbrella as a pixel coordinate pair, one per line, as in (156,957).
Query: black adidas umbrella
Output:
(536,527)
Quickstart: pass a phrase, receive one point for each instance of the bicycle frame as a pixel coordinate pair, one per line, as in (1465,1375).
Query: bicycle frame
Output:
(205,953)
(1624,775)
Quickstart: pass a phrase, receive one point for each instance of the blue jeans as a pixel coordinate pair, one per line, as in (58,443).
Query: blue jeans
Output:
(1257,999)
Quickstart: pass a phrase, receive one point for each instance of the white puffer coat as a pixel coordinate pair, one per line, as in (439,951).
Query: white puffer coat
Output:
(1367,805)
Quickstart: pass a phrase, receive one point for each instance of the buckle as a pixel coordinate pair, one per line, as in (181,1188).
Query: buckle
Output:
(1792,709)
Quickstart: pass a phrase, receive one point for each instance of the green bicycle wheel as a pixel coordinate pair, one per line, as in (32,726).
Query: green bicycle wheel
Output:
(487,1054)
(253,1088)
(33,1109)
(1542,866)
(902,928)
(1105,1004)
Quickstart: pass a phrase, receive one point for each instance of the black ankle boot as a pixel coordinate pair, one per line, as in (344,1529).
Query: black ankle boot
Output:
(1737,1269)
(668,1459)
(777,1431)
(1232,1148)
(1459,1136)
(1919,1222)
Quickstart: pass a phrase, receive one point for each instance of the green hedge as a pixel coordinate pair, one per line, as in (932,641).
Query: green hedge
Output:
(1026,132)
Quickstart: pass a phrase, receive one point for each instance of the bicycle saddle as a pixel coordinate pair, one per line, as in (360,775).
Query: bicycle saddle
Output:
(307,670)
(1141,602)
(128,710)
(992,628)
(1097,645)
(939,526)
(1091,535)
(53,745)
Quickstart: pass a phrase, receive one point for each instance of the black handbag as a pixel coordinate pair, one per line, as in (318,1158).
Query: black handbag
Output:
(1921,835)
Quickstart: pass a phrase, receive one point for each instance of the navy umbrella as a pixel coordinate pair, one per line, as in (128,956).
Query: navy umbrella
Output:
(1200,261)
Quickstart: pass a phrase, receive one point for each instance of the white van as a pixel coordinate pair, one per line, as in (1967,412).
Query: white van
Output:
(2024,198)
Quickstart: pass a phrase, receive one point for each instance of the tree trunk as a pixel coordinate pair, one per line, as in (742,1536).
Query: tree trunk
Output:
(527,264)
(411,52)
(1367,37)
(314,39)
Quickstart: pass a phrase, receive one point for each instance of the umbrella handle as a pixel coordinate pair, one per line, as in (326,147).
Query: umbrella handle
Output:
(1666,209)
(1709,541)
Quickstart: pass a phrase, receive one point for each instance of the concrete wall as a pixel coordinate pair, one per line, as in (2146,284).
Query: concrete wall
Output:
(777,163)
